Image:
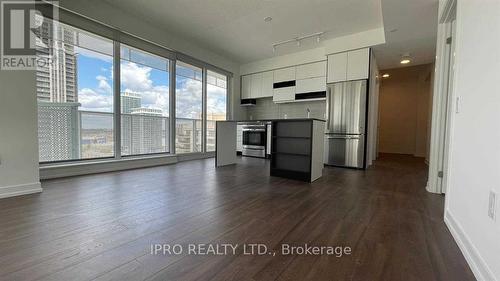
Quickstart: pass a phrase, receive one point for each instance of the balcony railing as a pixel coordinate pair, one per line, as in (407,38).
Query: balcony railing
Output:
(187,135)
(66,133)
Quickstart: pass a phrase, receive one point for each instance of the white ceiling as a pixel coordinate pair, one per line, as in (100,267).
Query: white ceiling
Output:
(236,28)
(415,22)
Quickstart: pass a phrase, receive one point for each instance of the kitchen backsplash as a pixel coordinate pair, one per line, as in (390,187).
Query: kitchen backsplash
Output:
(267,109)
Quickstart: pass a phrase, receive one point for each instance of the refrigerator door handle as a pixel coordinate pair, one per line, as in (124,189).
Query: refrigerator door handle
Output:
(339,137)
(346,137)
(328,93)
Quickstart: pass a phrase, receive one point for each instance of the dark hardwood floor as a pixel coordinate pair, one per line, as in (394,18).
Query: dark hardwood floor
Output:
(101,227)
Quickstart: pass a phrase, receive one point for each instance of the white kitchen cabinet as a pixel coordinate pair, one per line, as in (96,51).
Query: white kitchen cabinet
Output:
(284,94)
(347,66)
(255,85)
(284,74)
(267,84)
(337,68)
(311,70)
(358,64)
(258,85)
(309,85)
(245,86)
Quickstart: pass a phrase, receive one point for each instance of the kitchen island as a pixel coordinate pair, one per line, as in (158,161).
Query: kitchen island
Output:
(297,146)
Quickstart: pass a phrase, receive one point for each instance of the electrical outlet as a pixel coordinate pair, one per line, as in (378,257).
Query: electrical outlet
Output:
(492,205)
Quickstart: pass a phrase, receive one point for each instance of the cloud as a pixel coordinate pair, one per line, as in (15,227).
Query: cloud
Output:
(93,101)
(135,78)
(188,99)
(103,86)
(138,79)
(216,99)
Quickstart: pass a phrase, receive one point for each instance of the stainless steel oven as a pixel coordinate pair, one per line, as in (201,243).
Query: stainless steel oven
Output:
(254,140)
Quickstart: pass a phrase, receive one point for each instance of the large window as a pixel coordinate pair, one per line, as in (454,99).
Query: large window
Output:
(75,94)
(188,108)
(79,104)
(144,97)
(216,104)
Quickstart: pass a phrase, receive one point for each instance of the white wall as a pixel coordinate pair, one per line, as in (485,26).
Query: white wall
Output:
(18,134)
(474,164)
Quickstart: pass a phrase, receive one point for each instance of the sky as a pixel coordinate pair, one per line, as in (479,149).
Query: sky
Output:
(95,89)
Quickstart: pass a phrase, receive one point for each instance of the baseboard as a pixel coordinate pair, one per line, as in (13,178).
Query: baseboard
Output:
(87,168)
(104,166)
(22,189)
(477,264)
(430,189)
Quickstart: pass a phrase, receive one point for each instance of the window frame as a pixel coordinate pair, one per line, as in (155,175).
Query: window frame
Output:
(205,121)
(168,132)
(119,37)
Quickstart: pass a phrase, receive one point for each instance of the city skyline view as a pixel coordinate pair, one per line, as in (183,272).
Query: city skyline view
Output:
(95,83)
(75,93)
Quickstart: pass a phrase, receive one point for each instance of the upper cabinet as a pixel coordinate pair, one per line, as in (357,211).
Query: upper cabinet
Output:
(284,84)
(289,84)
(258,85)
(255,85)
(284,74)
(311,70)
(358,64)
(246,87)
(352,65)
(267,84)
(337,68)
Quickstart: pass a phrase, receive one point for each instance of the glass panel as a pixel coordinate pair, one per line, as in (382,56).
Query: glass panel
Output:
(74,93)
(144,98)
(188,108)
(216,104)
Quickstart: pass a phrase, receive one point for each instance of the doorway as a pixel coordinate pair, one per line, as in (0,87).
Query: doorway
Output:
(444,103)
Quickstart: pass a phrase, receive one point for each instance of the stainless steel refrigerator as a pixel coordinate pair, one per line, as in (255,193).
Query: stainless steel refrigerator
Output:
(345,135)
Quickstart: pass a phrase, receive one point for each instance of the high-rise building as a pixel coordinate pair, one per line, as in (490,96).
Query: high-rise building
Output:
(149,131)
(130,101)
(57,93)
(57,80)
(144,129)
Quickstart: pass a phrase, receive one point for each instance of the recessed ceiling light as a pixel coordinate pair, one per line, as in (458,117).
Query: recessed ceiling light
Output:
(268,19)
(406,59)
(386,75)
